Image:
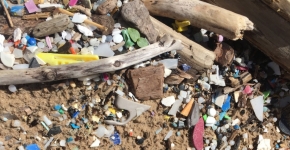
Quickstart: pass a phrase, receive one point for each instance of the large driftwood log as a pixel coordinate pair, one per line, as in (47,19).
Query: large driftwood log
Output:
(192,54)
(53,73)
(271,35)
(202,15)
(282,7)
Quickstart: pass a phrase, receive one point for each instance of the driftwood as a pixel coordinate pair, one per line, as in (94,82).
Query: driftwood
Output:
(202,15)
(53,73)
(282,7)
(193,54)
(271,34)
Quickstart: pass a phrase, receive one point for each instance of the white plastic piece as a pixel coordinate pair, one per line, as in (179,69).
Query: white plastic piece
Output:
(183,94)
(84,30)
(245,135)
(62,143)
(104,37)
(101,131)
(32,49)
(167,72)
(12,88)
(46,120)
(16,123)
(117,25)
(48,143)
(119,114)
(258,104)
(45,5)
(20,66)
(168,101)
(79,18)
(132,96)
(2,38)
(236,121)
(211,112)
(275,67)
(168,135)
(7,59)
(119,3)
(216,78)
(169,63)
(40,45)
(116,31)
(200,100)
(175,107)
(119,92)
(220,99)
(104,50)
(117,38)
(94,42)
(17,34)
(96,143)
(210,121)
(264,144)
(204,85)
(20,147)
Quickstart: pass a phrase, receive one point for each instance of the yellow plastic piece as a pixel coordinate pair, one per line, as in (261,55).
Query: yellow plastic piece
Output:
(112,110)
(166,117)
(62,59)
(181,25)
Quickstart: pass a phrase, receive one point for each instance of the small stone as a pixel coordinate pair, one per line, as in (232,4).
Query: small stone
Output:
(107,7)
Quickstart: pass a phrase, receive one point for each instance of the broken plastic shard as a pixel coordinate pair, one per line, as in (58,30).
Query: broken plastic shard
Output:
(220,98)
(104,50)
(18,53)
(73,2)
(201,100)
(197,135)
(116,31)
(169,63)
(167,72)
(168,135)
(20,66)
(247,90)
(210,121)
(101,131)
(17,34)
(31,7)
(258,104)
(168,101)
(117,38)
(94,42)
(96,143)
(175,107)
(84,30)
(264,144)
(227,104)
(222,114)
(104,37)
(275,68)
(12,88)
(193,116)
(236,96)
(7,59)
(79,18)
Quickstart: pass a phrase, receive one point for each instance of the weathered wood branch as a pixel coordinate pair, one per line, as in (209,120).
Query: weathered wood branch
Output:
(271,35)
(53,73)
(282,7)
(202,15)
(193,54)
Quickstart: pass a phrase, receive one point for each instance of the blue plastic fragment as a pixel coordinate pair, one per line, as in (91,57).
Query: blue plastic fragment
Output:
(115,138)
(70,139)
(227,104)
(74,126)
(57,107)
(15,9)
(277,146)
(236,127)
(265,109)
(31,41)
(178,133)
(236,74)
(75,114)
(32,147)
(185,67)
(5,4)
(174,124)
(222,114)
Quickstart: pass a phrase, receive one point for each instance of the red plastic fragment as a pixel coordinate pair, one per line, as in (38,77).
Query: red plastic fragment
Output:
(242,68)
(198,134)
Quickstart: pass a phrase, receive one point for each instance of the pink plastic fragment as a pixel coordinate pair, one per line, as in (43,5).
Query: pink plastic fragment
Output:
(31,7)
(48,42)
(242,68)
(72,2)
(198,134)
(105,77)
(221,38)
(247,90)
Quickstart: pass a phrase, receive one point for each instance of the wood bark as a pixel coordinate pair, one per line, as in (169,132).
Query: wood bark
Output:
(282,7)
(271,34)
(202,15)
(53,73)
(193,54)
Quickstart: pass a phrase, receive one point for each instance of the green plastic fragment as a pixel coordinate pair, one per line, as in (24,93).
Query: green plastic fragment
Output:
(227,117)
(61,111)
(128,42)
(142,42)
(266,94)
(204,117)
(134,34)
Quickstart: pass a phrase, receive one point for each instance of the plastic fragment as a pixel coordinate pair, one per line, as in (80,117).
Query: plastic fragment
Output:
(158,131)
(54,131)
(168,101)
(48,143)
(104,50)
(62,143)
(185,67)
(210,121)
(193,116)
(46,120)
(84,30)
(79,18)
(32,147)
(175,107)
(247,90)
(117,38)
(115,138)
(227,104)
(258,104)
(96,143)
(275,67)
(17,34)
(220,99)
(169,63)
(72,2)
(198,135)
(168,135)
(12,88)
(31,7)
(7,59)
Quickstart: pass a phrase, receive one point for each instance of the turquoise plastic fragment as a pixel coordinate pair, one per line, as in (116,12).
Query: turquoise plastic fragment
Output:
(227,104)
(222,115)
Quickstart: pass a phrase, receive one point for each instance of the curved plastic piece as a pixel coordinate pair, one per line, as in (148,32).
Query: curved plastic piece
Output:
(135,110)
